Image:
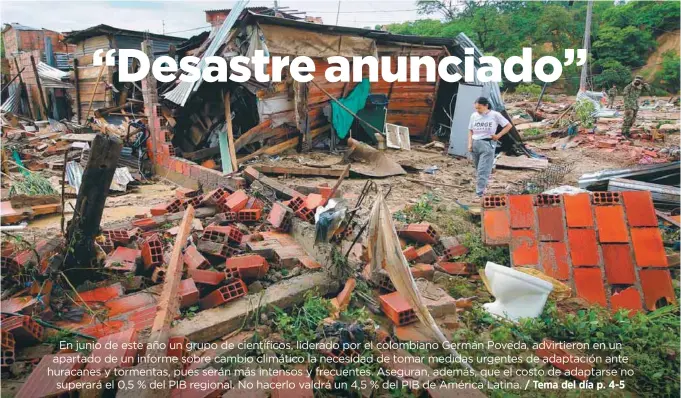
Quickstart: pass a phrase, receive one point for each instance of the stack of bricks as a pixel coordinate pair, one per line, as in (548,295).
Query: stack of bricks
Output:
(607,247)
(305,207)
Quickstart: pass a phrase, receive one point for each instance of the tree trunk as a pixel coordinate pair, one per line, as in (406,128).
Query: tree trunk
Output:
(94,189)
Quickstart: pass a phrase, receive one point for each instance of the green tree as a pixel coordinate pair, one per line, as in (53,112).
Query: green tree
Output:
(628,45)
(611,72)
(668,76)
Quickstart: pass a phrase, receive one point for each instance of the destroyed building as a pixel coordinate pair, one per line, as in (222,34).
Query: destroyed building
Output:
(98,87)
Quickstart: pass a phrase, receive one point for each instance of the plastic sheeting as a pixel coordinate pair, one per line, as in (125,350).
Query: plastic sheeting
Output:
(386,252)
(356,100)
(74,176)
(595,98)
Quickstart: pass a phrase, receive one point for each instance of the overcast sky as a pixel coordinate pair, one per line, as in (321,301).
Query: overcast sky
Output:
(186,18)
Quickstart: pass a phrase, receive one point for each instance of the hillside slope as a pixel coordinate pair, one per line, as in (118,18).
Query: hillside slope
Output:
(667,41)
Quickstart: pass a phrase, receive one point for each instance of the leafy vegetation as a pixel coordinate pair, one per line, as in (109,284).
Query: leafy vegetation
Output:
(668,76)
(623,33)
(584,110)
(530,90)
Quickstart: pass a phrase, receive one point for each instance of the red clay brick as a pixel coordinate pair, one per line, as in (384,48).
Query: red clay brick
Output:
(563,359)
(193,259)
(280,217)
(234,202)
(288,256)
(249,215)
(129,303)
(522,211)
(410,253)
(305,214)
(547,200)
(578,210)
(250,267)
(554,260)
(491,201)
(426,254)
(551,224)
(189,294)
(422,233)
(152,252)
(231,291)
(383,281)
(453,248)
(456,268)
(606,198)
(158,210)
(524,250)
(639,208)
(397,309)
(123,259)
(425,271)
(25,330)
(41,384)
(619,267)
(648,248)
(206,277)
(656,285)
(309,262)
(627,299)
(496,227)
(145,223)
(122,357)
(611,225)
(589,285)
(313,200)
(583,247)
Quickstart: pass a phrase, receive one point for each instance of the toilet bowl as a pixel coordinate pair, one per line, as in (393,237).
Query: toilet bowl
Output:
(518,295)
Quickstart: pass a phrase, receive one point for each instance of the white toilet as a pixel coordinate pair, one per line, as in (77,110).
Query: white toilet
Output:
(518,294)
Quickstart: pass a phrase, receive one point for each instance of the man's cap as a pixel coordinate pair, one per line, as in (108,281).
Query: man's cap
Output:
(639,77)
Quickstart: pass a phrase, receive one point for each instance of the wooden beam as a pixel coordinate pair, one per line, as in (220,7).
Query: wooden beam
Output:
(302,171)
(227,164)
(169,302)
(40,88)
(281,147)
(251,174)
(346,173)
(230,134)
(252,135)
(77,82)
(92,98)
(202,153)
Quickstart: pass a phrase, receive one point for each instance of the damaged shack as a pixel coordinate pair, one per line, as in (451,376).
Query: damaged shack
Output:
(269,118)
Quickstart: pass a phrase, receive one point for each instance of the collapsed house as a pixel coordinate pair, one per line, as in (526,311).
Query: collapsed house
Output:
(98,87)
(268,118)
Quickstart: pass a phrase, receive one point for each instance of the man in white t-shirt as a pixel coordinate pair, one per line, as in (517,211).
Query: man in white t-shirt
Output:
(482,138)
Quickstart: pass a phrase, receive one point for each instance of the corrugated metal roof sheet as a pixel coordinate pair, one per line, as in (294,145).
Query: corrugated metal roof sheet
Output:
(74,176)
(52,77)
(11,103)
(182,91)
(76,36)
(18,26)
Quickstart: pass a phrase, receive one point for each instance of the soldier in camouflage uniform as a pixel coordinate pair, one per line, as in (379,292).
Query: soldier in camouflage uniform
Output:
(612,93)
(631,93)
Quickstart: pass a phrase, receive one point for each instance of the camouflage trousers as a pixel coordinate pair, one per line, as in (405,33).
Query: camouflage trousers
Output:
(611,102)
(629,119)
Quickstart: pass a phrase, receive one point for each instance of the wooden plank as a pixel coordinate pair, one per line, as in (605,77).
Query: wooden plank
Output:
(521,162)
(169,302)
(251,174)
(202,153)
(77,84)
(40,89)
(230,134)
(252,135)
(281,147)
(301,171)
(92,98)
(89,72)
(87,137)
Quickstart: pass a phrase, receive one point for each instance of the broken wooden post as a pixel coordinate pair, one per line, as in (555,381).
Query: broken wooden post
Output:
(40,89)
(76,82)
(94,91)
(230,134)
(169,302)
(94,189)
